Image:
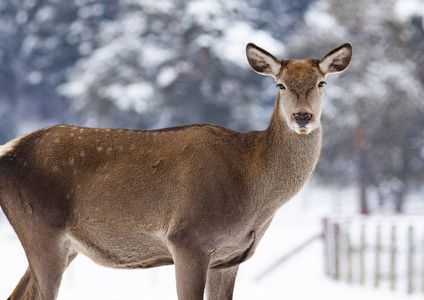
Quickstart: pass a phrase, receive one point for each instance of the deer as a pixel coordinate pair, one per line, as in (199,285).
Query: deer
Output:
(197,196)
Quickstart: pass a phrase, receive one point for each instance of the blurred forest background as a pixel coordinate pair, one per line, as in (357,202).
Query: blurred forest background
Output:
(149,64)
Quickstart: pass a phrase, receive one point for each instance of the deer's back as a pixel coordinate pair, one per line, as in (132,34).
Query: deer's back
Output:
(63,168)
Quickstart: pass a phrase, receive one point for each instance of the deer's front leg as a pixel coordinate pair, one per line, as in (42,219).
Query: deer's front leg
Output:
(191,266)
(220,283)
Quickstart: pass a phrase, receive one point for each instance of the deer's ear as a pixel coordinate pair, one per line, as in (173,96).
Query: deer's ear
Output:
(337,59)
(262,61)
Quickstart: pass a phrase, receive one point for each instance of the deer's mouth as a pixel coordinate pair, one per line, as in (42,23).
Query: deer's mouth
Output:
(303,129)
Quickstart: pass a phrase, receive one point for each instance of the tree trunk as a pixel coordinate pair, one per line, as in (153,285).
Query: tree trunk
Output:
(363,172)
(363,199)
(400,199)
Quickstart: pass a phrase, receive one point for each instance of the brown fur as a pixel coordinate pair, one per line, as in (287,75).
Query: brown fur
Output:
(198,196)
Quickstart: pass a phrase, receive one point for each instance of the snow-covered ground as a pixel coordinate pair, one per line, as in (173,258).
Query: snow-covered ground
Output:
(301,277)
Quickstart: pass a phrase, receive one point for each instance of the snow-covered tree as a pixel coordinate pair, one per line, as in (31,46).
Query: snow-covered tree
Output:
(373,117)
(39,41)
(163,63)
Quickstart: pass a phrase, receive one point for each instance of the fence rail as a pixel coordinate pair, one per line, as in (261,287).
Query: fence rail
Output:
(368,251)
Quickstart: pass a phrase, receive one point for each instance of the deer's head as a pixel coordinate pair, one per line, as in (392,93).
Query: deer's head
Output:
(300,82)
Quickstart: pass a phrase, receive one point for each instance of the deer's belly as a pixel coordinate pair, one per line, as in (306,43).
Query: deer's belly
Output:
(131,250)
(141,251)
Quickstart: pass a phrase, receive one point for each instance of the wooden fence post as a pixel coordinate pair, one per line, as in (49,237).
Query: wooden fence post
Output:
(410,258)
(349,255)
(393,259)
(377,257)
(362,256)
(336,251)
(422,272)
(326,246)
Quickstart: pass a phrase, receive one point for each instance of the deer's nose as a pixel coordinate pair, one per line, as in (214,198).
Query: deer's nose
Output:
(302,119)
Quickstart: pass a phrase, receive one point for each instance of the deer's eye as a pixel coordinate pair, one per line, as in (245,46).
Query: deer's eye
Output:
(322,83)
(281,86)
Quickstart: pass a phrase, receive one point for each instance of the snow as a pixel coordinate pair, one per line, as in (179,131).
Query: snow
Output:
(405,9)
(44,14)
(134,96)
(21,17)
(35,77)
(210,13)
(157,6)
(166,76)
(319,18)
(154,55)
(301,277)
(233,44)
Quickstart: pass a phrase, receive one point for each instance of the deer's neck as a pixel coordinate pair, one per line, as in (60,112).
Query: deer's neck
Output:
(286,158)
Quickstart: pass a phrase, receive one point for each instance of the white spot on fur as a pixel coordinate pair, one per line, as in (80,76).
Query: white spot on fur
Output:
(55,168)
(100,148)
(57,140)
(82,153)
(71,161)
